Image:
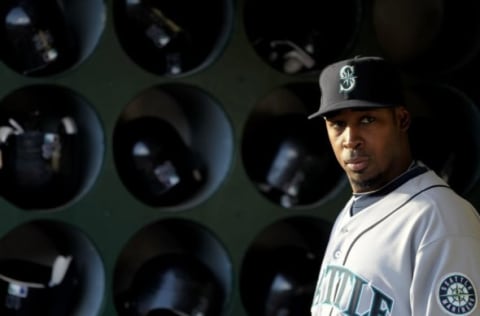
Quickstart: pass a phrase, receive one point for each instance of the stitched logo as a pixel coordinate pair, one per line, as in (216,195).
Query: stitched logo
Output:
(456,294)
(347,78)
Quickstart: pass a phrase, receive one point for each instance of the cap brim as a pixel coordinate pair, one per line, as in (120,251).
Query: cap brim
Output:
(347,104)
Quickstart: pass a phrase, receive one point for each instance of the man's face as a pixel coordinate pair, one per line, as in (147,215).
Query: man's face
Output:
(371,145)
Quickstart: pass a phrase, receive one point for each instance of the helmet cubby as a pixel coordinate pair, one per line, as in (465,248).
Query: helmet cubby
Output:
(51,268)
(173,265)
(52,146)
(173,38)
(51,38)
(173,146)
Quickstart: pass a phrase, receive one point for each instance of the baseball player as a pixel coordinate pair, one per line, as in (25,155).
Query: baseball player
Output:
(405,244)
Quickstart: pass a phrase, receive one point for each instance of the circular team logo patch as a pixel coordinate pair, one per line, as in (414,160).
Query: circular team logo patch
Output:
(456,295)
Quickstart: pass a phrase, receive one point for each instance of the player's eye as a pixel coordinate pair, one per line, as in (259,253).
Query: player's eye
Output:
(367,119)
(337,124)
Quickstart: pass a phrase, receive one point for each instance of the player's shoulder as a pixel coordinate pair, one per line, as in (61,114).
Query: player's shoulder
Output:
(442,207)
(434,188)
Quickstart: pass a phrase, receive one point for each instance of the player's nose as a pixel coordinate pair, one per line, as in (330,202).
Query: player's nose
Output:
(351,138)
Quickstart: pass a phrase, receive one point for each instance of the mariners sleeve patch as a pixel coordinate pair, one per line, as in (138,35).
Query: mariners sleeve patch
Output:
(456,294)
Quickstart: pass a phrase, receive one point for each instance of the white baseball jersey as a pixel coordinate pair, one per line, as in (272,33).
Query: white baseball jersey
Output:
(413,252)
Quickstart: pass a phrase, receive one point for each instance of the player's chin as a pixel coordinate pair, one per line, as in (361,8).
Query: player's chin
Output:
(360,176)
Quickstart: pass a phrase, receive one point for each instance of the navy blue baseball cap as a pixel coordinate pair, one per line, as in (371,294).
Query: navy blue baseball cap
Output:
(359,82)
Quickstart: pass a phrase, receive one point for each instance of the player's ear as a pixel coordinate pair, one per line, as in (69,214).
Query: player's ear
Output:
(404,118)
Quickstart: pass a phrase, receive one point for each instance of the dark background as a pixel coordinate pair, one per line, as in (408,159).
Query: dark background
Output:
(234,94)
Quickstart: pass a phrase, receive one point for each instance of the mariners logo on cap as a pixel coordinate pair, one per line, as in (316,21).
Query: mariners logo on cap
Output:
(456,295)
(347,78)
